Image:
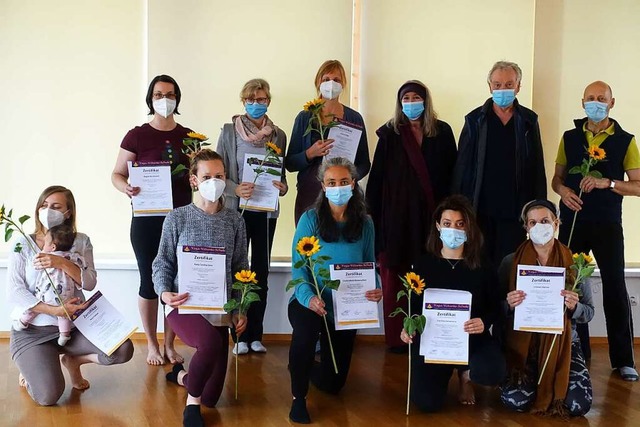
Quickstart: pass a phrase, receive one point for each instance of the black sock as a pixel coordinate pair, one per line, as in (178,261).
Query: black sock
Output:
(173,375)
(299,413)
(191,417)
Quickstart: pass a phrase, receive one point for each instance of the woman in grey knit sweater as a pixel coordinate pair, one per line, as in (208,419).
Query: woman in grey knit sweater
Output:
(206,222)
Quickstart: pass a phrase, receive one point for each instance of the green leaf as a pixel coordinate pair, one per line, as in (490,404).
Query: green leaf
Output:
(238,286)
(409,325)
(10,213)
(23,219)
(401,294)
(273,172)
(299,264)
(7,234)
(332,284)
(595,174)
(397,311)
(251,297)
(575,169)
(294,283)
(323,271)
(231,305)
(588,271)
(584,169)
(17,248)
(323,258)
(178,169)
(421,323)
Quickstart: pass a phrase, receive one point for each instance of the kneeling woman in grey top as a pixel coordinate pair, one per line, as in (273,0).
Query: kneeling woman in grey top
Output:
(206,222)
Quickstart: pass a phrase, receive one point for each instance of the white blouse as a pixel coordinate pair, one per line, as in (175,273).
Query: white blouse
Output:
(22,277)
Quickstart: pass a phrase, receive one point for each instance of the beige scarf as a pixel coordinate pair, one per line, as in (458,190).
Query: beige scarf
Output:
(249,132)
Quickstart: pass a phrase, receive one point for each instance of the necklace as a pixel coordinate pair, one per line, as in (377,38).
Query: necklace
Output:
(453,264)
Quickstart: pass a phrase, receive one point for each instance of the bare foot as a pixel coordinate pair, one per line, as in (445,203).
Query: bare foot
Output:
(73,367)
(467,395)
(21,381)
(154,358)
(173,356)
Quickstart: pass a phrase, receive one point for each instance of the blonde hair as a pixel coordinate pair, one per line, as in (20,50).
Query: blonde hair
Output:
(429,117)
(251,87)
(71,207)
(327,67)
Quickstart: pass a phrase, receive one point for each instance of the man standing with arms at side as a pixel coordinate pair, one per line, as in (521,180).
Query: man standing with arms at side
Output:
(598,226)
(500,164)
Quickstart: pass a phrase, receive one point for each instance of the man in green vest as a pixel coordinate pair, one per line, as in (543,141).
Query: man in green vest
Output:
(598,203)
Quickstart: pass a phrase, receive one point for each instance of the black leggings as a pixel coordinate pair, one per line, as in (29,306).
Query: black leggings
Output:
(145,239)
(307,325)
(429,382)
(260,231)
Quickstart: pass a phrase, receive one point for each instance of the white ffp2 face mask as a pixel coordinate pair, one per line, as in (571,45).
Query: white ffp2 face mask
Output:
(541,234)
(330,89)
(50,218)
(165,106)
(211,189)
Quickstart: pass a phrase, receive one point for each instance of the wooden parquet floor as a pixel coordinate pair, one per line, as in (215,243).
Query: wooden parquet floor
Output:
(135,394)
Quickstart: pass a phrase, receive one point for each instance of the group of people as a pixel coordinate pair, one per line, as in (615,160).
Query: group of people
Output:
(457,215)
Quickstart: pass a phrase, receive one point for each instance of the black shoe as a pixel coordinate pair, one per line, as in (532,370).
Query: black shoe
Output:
(299,413)
(173,375)
(191,417)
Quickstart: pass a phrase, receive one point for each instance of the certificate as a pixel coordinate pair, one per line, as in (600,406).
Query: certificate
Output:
(202,273)
(543,308)
(444,340)
(346,138)
(102,324)
(154,179)
(350,307)
(265,195)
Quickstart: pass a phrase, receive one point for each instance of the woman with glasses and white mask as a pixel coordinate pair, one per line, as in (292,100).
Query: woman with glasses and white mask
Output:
(565,387)
(307,150)
(158,140)
(249,134)
(205,222)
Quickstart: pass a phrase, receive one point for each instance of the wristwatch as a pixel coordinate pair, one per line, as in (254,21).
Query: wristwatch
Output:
(612,184)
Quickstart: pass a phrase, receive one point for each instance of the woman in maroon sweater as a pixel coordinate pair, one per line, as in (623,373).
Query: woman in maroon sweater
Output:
(158,140)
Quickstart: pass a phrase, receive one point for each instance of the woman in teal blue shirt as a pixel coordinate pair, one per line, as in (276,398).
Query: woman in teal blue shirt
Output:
(345,232)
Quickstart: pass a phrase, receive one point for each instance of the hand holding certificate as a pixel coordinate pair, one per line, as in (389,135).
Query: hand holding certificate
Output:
(154,179)
(261,171)
(102,324)
(542,308)
(444,339)
(202,274)
(352,310)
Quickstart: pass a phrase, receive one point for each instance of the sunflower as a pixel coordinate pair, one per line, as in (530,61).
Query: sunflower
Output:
(308,246)
(415,282)
(596,153)
(314,104)
(1,214)
(195,135)
(273,147)
(246,276)
(588,259)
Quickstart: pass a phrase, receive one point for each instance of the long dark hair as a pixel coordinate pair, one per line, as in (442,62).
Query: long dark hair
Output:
(473,245)
(356,211)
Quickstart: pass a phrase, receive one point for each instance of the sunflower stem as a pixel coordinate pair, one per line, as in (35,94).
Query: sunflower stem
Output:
(573,223)
(326,324)
(409,374)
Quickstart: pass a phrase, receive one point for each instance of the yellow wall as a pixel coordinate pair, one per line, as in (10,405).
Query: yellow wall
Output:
(75,74)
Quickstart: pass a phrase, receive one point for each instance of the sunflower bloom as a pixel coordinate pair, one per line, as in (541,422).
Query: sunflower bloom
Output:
(195,135)
(273,147)
(308,246)
(313,104)
(246,276)
(596,153)
(415,282)
(588,259)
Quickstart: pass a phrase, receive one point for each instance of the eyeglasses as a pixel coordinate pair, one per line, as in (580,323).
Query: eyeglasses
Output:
(160,95)
(261,101)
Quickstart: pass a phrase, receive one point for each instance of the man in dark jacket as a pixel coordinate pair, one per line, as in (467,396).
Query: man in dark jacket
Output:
(597,199)
(500,164)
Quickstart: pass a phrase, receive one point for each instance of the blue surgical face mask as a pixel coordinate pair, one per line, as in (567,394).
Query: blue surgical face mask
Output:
(339,196)
(413,110)
(503,97)
(255,110)
(596,111)
(452,237)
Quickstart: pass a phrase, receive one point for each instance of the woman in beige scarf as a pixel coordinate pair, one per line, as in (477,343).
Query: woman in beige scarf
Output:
(565,387)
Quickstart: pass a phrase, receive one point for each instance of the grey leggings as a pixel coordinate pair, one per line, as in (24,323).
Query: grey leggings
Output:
(40,365)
